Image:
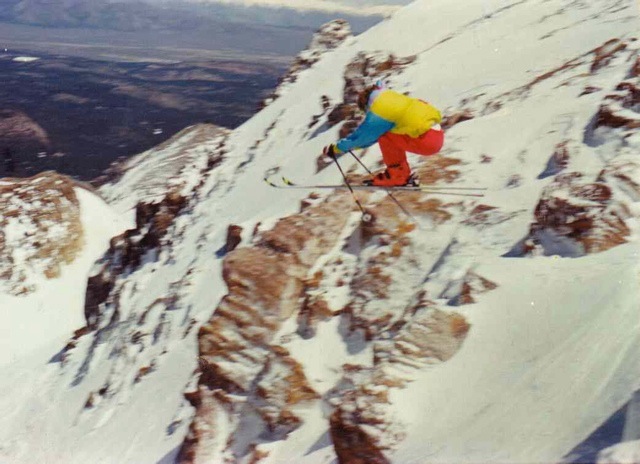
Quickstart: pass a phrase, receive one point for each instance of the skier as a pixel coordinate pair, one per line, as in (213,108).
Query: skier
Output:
(399,124)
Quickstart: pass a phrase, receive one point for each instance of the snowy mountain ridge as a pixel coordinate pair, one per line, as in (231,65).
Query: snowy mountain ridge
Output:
(231,322)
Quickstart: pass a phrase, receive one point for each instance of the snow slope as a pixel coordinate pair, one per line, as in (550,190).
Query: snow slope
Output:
(547,353)
(35,327)
(47,317)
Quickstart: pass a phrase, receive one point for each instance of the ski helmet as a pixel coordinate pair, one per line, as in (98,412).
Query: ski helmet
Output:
(363,96)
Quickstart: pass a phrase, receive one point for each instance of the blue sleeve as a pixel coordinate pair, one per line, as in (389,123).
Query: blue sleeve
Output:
(366,133)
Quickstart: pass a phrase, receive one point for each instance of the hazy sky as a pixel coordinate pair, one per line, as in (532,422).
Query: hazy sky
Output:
(358,7)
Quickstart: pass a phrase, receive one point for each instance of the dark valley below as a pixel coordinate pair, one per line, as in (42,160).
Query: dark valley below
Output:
(77,115)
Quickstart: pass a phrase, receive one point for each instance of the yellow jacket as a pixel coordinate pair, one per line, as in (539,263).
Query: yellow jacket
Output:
(390,111)
(410,116)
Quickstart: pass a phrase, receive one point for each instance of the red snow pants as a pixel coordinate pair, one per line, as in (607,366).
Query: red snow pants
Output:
(394,147)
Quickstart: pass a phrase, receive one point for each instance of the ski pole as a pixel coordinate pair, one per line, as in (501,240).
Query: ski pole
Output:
(366,217)
(395,200)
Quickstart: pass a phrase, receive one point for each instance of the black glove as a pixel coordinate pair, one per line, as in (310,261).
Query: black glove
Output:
(331,151)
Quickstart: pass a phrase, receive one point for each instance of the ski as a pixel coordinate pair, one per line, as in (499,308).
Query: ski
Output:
(410,186)
(460,191)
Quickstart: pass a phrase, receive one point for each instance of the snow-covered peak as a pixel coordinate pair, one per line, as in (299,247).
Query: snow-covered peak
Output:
(175,165)
(40,230)
(328,37)
(52,229)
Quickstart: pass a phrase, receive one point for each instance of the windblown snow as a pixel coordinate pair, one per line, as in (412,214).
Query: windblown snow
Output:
(497,329)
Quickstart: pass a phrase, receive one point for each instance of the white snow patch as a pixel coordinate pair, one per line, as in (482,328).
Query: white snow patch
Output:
(25,59)
(622,453)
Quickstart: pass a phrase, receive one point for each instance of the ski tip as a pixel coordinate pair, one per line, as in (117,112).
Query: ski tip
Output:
(287,181)
(266,179)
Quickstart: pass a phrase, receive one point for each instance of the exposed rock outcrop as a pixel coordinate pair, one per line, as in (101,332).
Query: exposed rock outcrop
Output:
(234,237)
(40,229)
(603,54)
(575,216)
(330,36)
(461,292)
(362,426)
(244,371)
(130,327)
(195,150)
(624,172)
(582,67)
(451,119)
(558,161)
(621,108)
(483,216)
(134,331)
(363,70)
(248,377)
(127,252)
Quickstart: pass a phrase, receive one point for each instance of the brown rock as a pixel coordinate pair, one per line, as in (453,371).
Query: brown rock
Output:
(635,69)
(424,335)
(559,160)
(437,168)
(590,89)
(361,427)
(451,120)
(282,386)
(328,37)
(237,350)
(352,444)
(609,117)
(605,53)
(234,237)
(127,250)
(620,108)
(46,210)
(623,172)
(472,284)
(580,215)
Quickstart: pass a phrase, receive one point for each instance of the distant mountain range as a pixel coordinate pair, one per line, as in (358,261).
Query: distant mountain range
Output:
(178,15)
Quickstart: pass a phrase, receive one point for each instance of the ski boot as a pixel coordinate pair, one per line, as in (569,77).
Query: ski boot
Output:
(396,175)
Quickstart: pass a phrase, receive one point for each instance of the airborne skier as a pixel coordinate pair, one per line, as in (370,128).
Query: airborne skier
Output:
(398,123)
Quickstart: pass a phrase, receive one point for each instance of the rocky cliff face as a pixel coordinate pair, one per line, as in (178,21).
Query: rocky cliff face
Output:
(252,384)
(406,312)
(40,230)
(574,217)
(330,36)
(578,215)
(247,371)
(176,165)
(167,182)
